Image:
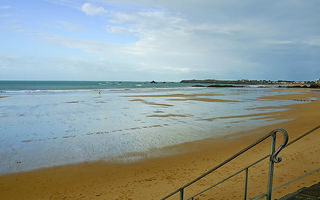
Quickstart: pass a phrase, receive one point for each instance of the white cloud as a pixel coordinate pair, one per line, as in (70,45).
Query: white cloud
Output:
(207,39)
(70,26)
(312,41)
(119,29)
(168,43)
(89,46)
(5,7)
(5,15)
(92,10)
(12,27)
(315,41)
(171,42)
(281,42)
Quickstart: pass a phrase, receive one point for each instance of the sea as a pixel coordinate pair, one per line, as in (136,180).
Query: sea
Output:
(51,123)
(85,85)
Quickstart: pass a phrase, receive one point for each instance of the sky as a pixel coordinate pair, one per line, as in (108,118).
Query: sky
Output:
(167,40)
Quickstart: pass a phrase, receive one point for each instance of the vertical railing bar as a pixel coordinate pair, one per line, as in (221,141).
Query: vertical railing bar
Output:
(271,167)
(181,194)
(238,172)
(246,185)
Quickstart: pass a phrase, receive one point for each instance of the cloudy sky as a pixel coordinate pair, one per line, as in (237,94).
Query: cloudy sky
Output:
(166,40)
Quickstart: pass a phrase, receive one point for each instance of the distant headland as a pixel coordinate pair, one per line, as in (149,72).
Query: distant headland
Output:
(236,83)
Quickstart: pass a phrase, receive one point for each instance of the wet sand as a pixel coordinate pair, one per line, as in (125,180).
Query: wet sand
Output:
(176,95)
(296,97)
(154,178)
(187,97)
(203,99)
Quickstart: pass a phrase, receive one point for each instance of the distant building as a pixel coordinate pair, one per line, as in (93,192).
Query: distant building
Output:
(318,81)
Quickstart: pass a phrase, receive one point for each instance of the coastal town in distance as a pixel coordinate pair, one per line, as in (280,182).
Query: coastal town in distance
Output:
(281,83)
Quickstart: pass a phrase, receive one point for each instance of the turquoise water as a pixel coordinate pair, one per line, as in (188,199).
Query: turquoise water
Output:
(76,85)
(45,124)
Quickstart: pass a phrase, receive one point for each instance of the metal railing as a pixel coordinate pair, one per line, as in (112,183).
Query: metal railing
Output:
(273,158)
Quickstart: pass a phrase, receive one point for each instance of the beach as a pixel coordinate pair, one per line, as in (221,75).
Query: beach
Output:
(144,100)
(153,177)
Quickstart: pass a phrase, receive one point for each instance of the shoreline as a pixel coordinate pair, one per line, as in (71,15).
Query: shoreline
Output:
(154,178)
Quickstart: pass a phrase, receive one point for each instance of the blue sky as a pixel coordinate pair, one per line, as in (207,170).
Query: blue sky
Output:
(165,40)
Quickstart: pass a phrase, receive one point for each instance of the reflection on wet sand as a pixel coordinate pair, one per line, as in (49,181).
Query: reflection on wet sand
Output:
(268,114)
(296,97)
(203,100)
(211,100)
(151,103)
(175,95)
(169,115)
(72,102)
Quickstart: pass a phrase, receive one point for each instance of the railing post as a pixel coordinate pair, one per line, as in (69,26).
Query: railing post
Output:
(181,193)
(271,166)
(245,185)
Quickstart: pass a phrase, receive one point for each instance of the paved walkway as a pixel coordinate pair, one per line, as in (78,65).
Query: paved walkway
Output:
(306,193)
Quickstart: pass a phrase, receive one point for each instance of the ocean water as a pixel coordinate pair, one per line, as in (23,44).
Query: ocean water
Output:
(85,85)
(49,123)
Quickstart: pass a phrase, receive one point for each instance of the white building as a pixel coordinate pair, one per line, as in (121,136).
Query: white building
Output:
(318,81)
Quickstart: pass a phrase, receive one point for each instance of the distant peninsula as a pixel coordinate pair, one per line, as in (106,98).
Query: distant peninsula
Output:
(247,82)
(242,83)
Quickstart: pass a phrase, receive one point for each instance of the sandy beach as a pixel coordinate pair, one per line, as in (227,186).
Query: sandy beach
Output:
(154,178)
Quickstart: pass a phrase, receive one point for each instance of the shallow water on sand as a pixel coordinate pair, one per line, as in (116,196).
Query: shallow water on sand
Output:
(48,128)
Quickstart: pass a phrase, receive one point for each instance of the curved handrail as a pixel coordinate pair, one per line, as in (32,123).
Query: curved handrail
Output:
(273,156)
(284,143)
